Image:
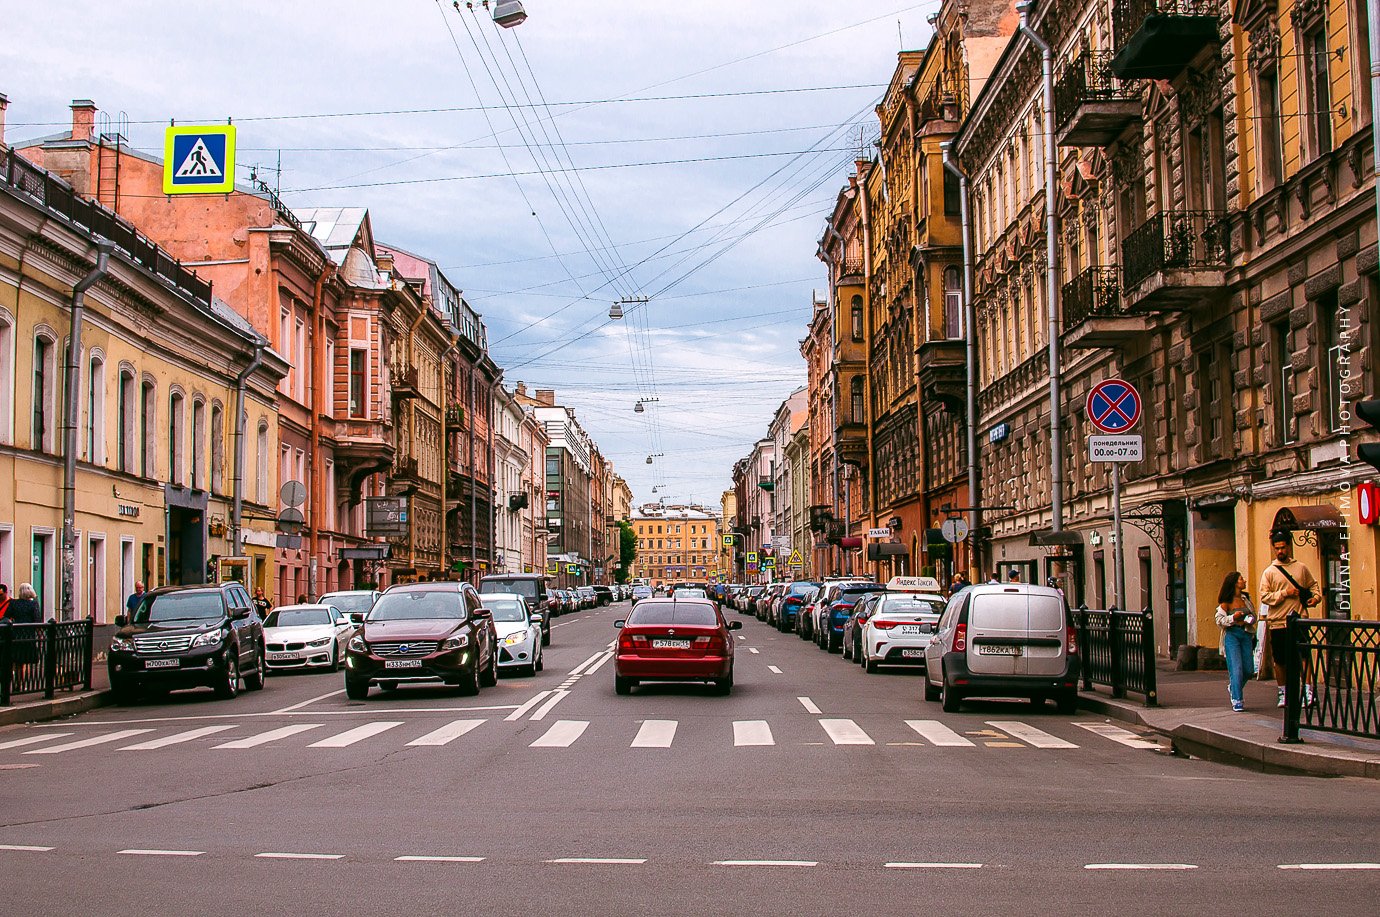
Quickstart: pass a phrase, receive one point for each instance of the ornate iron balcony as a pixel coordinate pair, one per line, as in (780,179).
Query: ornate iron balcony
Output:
(1178,240)
(1095,293)
(1091,106)
(1156,39)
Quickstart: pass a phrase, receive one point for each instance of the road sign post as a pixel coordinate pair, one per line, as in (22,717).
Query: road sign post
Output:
(1114,408)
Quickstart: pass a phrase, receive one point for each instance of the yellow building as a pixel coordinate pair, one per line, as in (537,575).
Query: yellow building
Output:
(158,376)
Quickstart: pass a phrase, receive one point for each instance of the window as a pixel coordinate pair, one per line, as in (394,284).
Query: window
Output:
(952,194)
(217,449)
(198,450)
(1333,337)
(148,434)
(7,381)
(44,426)
(359,369)
(858,410)
(1214,400)
(124,435)
(328,396)
(177,430)
(1283,383)
(1271,127)
(953,303)
(1206,159)
(261,454)
(300,369)
(857,318)
(95,411)
(1317,91)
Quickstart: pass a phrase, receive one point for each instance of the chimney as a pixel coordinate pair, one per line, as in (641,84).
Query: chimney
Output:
(4,104)
(522,388)
(83,119)
(547,396)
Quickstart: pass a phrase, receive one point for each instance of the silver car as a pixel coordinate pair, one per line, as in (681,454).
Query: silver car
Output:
(519,633)
(1012,640)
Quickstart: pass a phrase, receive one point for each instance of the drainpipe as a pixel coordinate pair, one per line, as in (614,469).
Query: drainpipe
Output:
(1373,17)
(445,447)
(237,507)
(71,411)
(318,483)
(970,364)
(1056,434)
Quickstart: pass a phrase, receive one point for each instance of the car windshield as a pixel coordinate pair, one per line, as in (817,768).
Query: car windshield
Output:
(802,589)
(506,609)
(673,613)
(349,601)
(853,593)
(418,605)
(690,593)
(527,588)
(297,617)
(179,606)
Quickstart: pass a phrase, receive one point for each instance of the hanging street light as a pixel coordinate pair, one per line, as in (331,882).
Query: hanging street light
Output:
(509,13)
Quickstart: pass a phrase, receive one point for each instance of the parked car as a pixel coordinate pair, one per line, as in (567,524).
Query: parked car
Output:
(674,639)
(603,593)
(767,601)
(532,588)
(424,632)
(752,594)
(519,633)
(796,597)
(354,602)
(898,628)
(306,636)
(853,627)
(188,637)
(588,597)
(1013,640)
(835,609)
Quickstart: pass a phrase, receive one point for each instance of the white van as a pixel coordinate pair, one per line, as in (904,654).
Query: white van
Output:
(1013,640)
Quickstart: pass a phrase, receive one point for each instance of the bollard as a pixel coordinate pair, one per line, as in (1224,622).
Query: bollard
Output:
(49,659)
(1147,635)
(88,650)
(1084,648)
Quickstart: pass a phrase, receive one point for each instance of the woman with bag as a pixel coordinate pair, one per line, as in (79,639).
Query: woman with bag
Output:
(1236,618)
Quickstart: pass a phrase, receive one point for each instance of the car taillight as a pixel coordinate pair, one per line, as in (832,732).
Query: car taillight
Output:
(885,625)
(961,638)
(1071,636)
(841,607)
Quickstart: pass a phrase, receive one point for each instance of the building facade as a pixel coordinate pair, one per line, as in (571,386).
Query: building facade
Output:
(676,543)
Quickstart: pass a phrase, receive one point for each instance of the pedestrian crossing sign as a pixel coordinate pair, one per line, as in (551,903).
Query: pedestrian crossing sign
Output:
(199,159)
(796,560)
(752,557)
(769,562)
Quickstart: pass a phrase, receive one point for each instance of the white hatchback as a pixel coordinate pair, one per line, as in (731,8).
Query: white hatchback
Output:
(899,628)
(519,633)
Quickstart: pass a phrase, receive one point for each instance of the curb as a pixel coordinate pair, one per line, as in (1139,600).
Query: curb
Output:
(53,709)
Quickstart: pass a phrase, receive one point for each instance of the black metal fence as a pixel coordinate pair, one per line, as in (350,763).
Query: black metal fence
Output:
(1089,78)
(1116,649)
(1175,239)
(1333,678)
(44,657)
(1095,293)
(1129,15)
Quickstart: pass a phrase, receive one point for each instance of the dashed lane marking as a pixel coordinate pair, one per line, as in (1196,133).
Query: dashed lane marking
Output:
(300,856)
(176,738)
(752,732)
(579,669)
(932,865)
(562,734)
(846,732)
(32,848)
(936,733)
(766,862)
(162,853)
(520,712)
(1030,735)
(754,650)
(272,735)
(808,704)
(1170,867)
(1325,866)
(448,733)
(358,734)
(655,734)
(1117,734)
(87,743)
(437,859)
(32,740)
(774,669)
(602,861)
(598,665)
(552,701)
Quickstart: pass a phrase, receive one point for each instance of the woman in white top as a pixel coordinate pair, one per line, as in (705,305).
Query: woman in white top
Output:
(1236,618)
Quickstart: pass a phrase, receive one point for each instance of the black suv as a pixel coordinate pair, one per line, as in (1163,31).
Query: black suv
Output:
(188,637)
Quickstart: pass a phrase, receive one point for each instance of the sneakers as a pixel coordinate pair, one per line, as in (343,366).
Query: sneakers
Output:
(1308,695)
(1238,707)
(1281,698)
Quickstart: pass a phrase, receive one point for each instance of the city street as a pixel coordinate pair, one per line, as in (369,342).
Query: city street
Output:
(814,788)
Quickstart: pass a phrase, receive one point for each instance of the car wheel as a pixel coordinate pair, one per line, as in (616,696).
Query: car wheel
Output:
(335,658)
(489,677)
(255,680)
(622,685)
(848,649)
(540,663)
(469,682)
(356,689)
(931,691)
(870,666)
(1068,703)
(124,691)
(230,684)
(723,686)
(949,698)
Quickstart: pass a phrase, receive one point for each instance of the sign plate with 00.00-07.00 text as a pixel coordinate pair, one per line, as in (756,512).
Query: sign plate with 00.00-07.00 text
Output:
(1116,448)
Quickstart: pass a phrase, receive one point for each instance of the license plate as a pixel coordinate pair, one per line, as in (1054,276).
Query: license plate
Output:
(912,654)
(162,663)
(999,650)
(909,630)
(283,657)
(402,663)
(671,644)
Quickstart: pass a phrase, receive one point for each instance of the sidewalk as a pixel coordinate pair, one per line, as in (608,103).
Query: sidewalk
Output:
(32,708)
(1196,715)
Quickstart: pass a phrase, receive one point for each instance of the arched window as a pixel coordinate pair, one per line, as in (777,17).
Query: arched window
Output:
(217,449)
(857,313)
(43,429)
(177,432)
(95,411)
(124,435)
(148,416)
(261,453)
(198,450)
(7,380)
(859,412)
(953,303)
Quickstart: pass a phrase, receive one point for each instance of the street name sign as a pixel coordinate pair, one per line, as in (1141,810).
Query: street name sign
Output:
(1114,406)
(1116,448)
(199,159)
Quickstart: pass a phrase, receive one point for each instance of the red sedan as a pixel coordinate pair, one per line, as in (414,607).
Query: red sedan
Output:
(675,639)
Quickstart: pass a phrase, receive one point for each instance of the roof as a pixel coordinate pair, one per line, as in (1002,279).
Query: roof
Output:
(336,228)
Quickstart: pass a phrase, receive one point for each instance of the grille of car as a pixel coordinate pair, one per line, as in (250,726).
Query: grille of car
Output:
(405,647)
(278,647)
(152,643)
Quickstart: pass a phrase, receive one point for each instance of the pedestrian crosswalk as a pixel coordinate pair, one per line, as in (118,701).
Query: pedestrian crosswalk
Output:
(610,733)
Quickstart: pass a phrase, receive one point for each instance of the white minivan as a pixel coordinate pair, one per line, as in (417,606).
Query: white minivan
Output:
(1013,640)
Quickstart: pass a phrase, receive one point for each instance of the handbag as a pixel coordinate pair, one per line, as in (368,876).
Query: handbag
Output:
(1305,595)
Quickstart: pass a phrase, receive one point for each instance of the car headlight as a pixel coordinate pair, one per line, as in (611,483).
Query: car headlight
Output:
(210,638)
(456,642)
(512,639)
(322,642)
(121,645)
(357,645)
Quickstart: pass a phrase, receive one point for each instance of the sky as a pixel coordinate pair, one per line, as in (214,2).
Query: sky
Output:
(685,153)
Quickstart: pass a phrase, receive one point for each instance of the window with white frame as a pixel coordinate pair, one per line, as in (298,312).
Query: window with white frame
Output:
(95,410)
(7,380)
(198,450)
(124,417)
(217,449)
(261,477)
(148,457)
(43,430)
(177,433)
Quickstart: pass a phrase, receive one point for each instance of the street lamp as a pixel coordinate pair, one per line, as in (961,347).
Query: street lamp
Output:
(508,13)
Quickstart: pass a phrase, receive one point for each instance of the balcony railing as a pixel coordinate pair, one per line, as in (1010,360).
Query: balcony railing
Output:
(455,417)
(851,264)
(1095,293)
(1091,106)
(1156,39)
(1173,241)
(405,469)
(404,379)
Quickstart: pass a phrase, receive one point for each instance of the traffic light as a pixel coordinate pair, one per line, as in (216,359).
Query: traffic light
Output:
(1369,411)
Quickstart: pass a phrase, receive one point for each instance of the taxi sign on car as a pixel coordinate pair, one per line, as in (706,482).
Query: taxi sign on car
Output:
(913,584)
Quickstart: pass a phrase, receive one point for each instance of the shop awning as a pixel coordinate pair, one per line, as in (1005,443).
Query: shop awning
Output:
(850,541)
(1047,538)
(886,549)
(1322,517)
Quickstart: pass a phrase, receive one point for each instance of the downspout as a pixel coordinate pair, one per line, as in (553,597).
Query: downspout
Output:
(474,491)
(867,489)
(494,510)
(237,485)
(318,484)
(412,429)
(71,410)
(1056,434)
(1373,14)
(970,364)
(444,548)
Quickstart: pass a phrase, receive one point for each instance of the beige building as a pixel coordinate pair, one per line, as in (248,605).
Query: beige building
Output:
(676,543)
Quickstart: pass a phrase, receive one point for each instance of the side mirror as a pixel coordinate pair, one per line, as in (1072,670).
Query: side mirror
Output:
(538,617)
(483,613)
(735,625)
(239,614)
(619,623)
(356,617)
(122,621)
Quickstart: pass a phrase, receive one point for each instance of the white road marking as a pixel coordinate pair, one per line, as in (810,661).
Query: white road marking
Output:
(846,732)
(32,740)
(163,853)
(598,665)
(933,865)
(30,848)
(272,735)
(808,704)
(552,701)
(520,712)
(1150,866)
(774,669)
(1329,866)
(562,734)
(655,734)
(87,743)
(300,856)
(1117,734)
(754,650)
(741,637)
(448,733)
(939,734)
(176,738)
(1029,734)
(308,703)
(438,859)
(95,724)
(766,863)
(602,861)
(752,732)
(580,668)
(358,734)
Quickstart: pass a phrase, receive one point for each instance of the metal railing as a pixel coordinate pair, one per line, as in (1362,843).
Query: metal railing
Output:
(1095,293)
(1129,15)
(1332,678)
(1089,78)
(1116,649)
(44,657)
(1176,239)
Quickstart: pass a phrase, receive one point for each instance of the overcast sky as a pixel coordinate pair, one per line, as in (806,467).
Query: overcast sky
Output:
(711,206)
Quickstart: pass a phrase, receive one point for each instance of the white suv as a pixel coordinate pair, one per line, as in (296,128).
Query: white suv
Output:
(1013,640)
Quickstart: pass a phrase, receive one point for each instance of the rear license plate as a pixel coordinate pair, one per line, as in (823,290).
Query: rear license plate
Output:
(670,644)
(999,650)
(402,663)
(283,657)
(912,654)
(162,663)
(910,630)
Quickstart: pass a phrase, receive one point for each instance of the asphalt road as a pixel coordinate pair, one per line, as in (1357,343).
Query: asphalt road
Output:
(813,789)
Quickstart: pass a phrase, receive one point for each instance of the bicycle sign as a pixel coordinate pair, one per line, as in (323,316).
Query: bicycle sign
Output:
(1114,406)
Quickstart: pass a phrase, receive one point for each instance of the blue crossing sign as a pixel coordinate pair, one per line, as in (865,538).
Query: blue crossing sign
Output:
(1114,406)
(199,159)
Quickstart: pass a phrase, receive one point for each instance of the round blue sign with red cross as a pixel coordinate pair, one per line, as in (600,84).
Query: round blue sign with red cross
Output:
(1114,406)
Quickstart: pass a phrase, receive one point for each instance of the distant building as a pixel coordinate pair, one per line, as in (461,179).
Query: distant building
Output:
(676,543)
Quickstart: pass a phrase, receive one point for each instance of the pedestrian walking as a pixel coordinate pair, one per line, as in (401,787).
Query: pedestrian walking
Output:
(302,599)
(1013,575)
(261,602)
(1286,587)
(23,608)
(4,600)
(1236,618)
(135,598)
